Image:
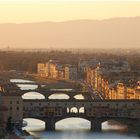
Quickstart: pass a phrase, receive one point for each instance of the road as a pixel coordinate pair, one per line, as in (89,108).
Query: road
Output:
(94,94)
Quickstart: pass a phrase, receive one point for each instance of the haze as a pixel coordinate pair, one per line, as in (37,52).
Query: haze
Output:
(37,11)
(61,24)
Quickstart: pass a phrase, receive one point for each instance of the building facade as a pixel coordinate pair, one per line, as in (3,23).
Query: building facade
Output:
(113,85)
(55,70)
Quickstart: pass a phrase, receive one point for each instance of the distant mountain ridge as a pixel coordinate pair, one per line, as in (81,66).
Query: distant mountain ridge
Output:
(107,33)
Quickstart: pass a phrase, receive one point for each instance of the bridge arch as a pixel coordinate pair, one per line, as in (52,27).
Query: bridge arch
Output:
(79,97)
(59,96)
(73,123)
(114,124)
(33,95)
(34,124)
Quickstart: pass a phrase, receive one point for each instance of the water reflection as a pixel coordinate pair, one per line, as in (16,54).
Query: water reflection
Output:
(80,134)
(76,128)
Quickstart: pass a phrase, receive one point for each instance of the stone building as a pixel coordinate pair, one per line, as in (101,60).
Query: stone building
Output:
(55,70)
(12,102)
(114,84)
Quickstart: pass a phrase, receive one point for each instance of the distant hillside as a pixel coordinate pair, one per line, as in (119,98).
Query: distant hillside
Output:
(110,33)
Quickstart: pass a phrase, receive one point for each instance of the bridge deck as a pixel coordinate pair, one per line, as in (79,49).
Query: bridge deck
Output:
(79,100)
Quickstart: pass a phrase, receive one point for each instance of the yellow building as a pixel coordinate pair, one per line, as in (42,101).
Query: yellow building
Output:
(52,69)
(42,69)
(137,94)
(53,72)
(121,91)
(102,82)
(130,93)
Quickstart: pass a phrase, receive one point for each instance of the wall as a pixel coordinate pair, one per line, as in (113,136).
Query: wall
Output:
(15,107)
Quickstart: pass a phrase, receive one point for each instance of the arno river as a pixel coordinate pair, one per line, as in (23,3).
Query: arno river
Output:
(74,128)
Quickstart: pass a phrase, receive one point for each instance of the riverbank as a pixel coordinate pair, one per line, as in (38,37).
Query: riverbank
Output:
(17,134)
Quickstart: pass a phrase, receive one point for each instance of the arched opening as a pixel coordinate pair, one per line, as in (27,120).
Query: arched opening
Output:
(79,97)
(73,124)
(21,81)
(113,125)
(82,110)
(74,110)
(34,124)
(27,86)
(33,95)
(68,110)
(59,96)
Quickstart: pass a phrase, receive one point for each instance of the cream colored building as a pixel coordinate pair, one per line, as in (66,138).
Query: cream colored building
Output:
(53,72)
(103,81)
(52,69)
(137,94)
(43,69)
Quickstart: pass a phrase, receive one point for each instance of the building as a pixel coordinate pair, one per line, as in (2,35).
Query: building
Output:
(43,69)
(71,72)
(3,113)
(12,103)
(55,70)
(115,81)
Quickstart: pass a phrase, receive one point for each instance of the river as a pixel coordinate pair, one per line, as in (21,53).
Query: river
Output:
(72,128)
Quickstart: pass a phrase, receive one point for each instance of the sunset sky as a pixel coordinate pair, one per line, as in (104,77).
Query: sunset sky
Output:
(43,10)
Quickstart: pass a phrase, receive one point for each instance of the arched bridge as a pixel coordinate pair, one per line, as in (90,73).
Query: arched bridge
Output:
(48,93)
(96,112)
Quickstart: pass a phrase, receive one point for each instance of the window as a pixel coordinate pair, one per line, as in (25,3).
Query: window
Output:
(17,108)
(17,102)
(125,105)
(89,113)
(10,102)
(40,104)
(10,108)
(108,105)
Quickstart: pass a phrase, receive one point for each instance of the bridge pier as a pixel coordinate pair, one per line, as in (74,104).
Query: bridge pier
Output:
(96,125)
(50,125)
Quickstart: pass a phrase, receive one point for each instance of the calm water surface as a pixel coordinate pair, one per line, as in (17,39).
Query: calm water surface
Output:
(72,128)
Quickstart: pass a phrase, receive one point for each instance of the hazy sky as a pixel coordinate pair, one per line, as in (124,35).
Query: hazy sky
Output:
(56,10)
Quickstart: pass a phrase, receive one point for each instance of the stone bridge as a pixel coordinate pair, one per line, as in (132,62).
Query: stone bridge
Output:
(52,111)
(48,93)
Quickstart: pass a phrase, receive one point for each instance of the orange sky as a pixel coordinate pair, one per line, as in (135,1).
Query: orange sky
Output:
(44,10)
